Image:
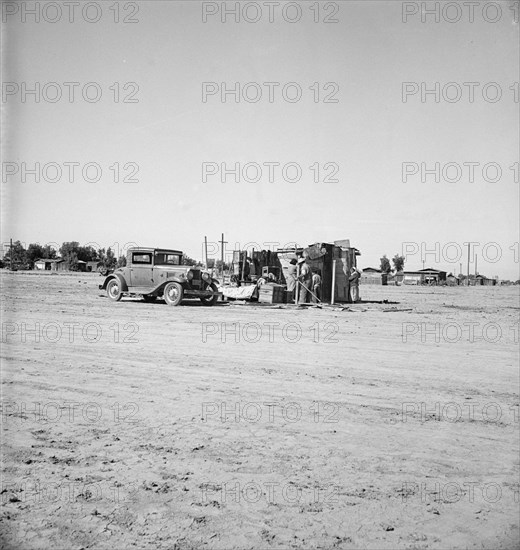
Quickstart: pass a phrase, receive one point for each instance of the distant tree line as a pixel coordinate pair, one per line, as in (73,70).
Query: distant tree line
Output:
(71,252)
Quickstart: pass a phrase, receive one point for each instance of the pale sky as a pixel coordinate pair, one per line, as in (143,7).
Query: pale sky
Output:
(170,132)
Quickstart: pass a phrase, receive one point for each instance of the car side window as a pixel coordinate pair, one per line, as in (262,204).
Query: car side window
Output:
(167,259)
(144,259)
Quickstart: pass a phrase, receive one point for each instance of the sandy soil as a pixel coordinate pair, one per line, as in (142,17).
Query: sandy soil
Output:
(141,425)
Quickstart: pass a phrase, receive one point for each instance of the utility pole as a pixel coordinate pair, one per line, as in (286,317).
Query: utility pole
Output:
(222,243)
(11,254)
(297,287)
(468,262)
(476,258)
(206,252)
(333,296)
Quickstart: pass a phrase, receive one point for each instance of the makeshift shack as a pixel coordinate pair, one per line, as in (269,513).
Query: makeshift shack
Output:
(255,275)
(249,267)
(321,257)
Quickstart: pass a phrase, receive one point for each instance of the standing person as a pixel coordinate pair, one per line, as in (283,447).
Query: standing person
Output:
(291,279)
(355,274)
(246,269)
(305,280)
(316,286)
(252,269)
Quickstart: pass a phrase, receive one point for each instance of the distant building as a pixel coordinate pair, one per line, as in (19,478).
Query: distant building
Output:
(371,276)
(49,265)
(93,265)
(59,264)
(395,278)
(428,276)
(451,280)
(481,280)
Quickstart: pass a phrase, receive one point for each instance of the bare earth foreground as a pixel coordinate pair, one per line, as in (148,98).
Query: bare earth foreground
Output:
(141,425)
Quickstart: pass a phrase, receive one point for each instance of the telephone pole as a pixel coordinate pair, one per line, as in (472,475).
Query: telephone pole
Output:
(11,254)
(468,263)
(222,243)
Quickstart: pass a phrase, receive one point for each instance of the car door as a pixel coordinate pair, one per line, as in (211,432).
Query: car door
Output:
(165,266)
(141,272)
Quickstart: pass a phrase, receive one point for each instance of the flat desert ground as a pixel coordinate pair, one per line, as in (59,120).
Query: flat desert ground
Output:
(135,425)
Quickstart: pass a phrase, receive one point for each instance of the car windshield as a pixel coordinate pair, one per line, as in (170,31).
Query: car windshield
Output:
(163,258)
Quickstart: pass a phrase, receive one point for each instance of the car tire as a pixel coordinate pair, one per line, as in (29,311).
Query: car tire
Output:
(114,290)
(213,300)
(173,294)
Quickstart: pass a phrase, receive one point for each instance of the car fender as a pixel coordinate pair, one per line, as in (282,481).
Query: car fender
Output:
(158,289)
(119,277)
(215,281)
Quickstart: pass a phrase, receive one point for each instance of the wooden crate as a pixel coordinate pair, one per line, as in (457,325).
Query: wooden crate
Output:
(271,294)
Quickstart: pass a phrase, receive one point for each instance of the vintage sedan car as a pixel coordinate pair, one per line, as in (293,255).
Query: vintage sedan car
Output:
(154,272)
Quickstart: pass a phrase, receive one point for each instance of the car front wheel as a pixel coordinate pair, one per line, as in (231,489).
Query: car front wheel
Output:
(210,300)
(173,294)
(114,290)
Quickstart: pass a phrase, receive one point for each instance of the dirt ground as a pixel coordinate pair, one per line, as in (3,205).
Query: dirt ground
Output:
(384,425)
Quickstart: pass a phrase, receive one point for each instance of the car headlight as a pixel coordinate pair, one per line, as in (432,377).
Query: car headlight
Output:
(189,275)
(206,276)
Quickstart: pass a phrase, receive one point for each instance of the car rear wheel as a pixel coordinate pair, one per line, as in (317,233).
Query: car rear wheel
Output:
(173,294)
(210,300)
(114,290)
